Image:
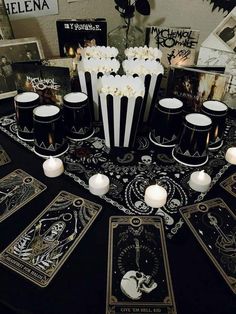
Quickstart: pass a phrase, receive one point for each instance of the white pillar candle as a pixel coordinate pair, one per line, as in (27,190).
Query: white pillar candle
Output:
(99,184)
(200,181)
(155,196)
(53,167)
(230,155)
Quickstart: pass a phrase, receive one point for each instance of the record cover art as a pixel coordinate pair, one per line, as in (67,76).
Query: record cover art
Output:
(178,45)
(51,83)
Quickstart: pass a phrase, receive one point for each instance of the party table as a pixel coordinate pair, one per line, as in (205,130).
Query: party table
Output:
(80,285)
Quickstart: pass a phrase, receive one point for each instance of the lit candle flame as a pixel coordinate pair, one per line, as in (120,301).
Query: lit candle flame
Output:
(201,175)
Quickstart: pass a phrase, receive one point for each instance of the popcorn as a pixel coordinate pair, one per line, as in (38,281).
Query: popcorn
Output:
(99,52)
(98,65)
(144,53)
(142,67)
(121,86)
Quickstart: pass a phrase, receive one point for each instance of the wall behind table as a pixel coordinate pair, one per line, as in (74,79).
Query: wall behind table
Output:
(196,14)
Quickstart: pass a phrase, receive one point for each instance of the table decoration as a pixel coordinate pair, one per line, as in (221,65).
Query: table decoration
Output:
(17,189)
(53,167)
(89,70)
(166,122)
(132,170)
(128,34)
(217,111)
(155,196)
(138,267)
(99,184)
(192,148)
(200,181)
(4,157)
(213,224)
(77,116)
(151,72)
(143,53)
(49,134)
(24,104)
(42,248)
(230,155)
(99,52)
(121,104)
(229,184)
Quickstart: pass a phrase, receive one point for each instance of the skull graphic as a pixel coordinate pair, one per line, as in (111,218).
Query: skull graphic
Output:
(146,159)
(134,284)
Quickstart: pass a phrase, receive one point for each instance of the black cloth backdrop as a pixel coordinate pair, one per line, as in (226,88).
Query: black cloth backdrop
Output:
(80,285)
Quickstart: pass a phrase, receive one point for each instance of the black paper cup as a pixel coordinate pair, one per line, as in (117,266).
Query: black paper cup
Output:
(166,122)
(192,148)
(24,106)
(120,116)
(77,116)
(49,135)
(217,111)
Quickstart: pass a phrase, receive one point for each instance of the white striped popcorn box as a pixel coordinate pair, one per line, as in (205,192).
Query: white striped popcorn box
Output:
(121,99)
(100,52)
(151,72)
(143,53)
(89,70)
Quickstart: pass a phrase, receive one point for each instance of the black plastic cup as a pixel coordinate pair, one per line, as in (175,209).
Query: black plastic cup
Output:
(24,106)
(49,135)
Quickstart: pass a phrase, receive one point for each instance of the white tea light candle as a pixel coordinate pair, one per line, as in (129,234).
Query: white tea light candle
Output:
(155,196)
(53,167)
(99,184)
(230,155)
(200,181)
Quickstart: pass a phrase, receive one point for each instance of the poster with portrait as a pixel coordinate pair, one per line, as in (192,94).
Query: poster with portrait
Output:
(16,50)
(223,37)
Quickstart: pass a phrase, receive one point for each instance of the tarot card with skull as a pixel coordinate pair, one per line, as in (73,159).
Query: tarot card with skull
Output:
(138,278)
(229,184)
(4,158)
(213,223)
(17,189)
(42,248)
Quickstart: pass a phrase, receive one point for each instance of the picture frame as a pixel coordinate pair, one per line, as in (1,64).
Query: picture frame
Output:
(16,50)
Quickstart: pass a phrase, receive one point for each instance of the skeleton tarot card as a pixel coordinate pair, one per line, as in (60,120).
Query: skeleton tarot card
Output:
(17,189)
(229,184)
(4,158)
(138,278)
(42,248)
(214,226)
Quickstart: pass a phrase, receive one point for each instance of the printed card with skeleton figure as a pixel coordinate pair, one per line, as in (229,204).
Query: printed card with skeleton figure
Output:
(214,225)
(17,189)
(138,278)
(229,184)
(42,248)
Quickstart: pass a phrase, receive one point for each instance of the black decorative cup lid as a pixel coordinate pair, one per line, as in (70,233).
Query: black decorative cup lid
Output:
(46,113)
(198,121)
(27,99)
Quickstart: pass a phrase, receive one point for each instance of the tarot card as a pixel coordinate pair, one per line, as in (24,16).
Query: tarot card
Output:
(138,278)
(229,184)
(17,189)
(42,248)
(214,226)
(4,158)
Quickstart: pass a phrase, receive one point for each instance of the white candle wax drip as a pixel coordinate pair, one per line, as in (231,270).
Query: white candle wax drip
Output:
(99,184)
(155,196)
(230,155)
(200,181)
(53,167)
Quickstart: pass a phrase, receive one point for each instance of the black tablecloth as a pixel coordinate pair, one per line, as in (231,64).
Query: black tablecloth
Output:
(80,285)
